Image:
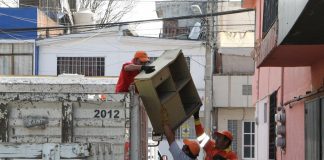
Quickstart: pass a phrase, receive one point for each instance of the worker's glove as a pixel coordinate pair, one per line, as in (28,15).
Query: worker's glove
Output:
(196,115)
(148,69)
(219,157)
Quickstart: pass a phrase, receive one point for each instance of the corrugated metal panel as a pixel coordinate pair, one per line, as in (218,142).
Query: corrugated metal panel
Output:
(312,130)
(19,18)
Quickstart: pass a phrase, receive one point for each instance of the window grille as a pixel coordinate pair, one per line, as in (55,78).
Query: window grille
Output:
(88,66)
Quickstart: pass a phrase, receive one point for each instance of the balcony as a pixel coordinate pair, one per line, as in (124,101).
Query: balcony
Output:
(292,37)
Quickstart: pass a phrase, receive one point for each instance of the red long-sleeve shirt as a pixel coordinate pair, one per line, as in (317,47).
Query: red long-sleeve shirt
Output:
(210,148)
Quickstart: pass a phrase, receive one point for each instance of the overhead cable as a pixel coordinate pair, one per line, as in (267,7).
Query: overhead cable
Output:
(128,22)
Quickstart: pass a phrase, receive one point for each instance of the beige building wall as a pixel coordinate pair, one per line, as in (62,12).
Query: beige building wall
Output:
(44,21)
(239,114)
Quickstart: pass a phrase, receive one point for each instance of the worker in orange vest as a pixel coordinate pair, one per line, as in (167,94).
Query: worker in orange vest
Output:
(190,149)
(215,150)
(131,69)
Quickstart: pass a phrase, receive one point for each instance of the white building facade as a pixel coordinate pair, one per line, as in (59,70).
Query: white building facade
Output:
(102,53)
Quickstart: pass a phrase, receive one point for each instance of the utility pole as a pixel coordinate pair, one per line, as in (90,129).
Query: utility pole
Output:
(211,48)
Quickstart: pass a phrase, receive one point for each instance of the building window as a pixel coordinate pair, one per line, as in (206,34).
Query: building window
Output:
(272,125)
(88,66)
(247,90)
(152,59)
(16,58)
(270,15)
(232,127)
(248,139)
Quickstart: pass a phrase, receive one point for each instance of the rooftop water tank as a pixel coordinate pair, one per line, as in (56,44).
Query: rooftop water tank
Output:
(83,17)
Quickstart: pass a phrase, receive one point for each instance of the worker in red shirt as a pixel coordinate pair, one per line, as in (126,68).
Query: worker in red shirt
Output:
(131,69)
(215,150)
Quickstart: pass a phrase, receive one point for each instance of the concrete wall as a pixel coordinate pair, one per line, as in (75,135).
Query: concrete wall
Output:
(235,30)
(44,21)
(179,8)
(290,82)
(235,22)
(117,50)
(236,39)
(317,70)
(228,91)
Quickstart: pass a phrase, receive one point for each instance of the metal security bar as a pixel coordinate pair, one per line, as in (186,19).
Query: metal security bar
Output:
(88,66)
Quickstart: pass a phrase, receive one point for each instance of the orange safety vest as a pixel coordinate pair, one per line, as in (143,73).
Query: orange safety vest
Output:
(210,146)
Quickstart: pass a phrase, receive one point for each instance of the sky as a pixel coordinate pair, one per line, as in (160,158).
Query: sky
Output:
(144,9)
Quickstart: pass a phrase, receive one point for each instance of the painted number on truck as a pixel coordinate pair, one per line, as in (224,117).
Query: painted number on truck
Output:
(106,113)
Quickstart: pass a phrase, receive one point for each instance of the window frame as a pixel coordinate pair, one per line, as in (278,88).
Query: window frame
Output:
(12,54)
(235,137)
(251,139)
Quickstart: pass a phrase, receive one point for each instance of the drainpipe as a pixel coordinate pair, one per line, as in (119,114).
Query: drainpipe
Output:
(36,60)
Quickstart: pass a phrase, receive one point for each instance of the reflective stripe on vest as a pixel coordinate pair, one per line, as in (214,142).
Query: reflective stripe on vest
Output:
(203,139)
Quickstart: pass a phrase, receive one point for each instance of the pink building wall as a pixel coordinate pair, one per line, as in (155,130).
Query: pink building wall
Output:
(292,82)
(318,74)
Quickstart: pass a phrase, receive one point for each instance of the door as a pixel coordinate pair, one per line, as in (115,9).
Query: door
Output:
(262,128)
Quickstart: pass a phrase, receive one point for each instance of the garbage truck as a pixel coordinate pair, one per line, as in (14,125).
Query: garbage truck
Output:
(65,117)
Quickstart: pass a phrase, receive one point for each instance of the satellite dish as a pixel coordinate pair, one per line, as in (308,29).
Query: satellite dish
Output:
(195,31)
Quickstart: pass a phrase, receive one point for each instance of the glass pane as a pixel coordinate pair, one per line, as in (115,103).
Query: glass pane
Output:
(247,152)
(23,65)
(23,48)
(247,127)
(247,139)
(5,65)
(5,48)
(252,152)
(253,139)
(253,125)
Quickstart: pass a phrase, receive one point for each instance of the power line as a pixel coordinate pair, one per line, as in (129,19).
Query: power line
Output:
(127,22)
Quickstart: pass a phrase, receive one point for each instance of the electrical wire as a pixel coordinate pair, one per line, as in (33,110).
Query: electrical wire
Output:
(20,18)
(128,22)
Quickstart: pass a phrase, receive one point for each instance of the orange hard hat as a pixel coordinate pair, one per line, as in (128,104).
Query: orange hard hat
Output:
(193,146)
(227,134)
(142,56)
